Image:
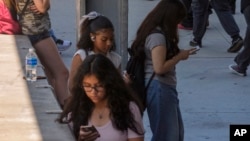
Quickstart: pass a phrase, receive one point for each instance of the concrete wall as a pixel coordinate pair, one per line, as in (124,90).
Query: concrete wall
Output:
(80,10)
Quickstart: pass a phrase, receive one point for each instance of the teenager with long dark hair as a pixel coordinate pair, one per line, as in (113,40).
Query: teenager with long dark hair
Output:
(102,99)
(157,41)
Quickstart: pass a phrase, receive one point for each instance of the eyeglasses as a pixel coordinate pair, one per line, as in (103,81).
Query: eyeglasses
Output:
(97,88)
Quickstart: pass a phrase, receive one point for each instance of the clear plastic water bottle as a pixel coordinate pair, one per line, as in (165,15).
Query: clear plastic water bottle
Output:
(31,65)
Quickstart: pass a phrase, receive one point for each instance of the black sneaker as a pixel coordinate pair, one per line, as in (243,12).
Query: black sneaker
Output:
(194,43)
(236,70)
(236,45)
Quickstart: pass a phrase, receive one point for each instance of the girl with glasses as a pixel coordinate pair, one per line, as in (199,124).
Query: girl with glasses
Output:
(101,98)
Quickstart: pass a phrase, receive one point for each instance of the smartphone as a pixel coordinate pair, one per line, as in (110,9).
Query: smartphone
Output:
(195,50)
(88,128)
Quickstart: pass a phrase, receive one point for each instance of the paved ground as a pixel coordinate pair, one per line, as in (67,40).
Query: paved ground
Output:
(211,98)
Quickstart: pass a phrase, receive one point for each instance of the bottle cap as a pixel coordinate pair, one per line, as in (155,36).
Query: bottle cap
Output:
(31,49)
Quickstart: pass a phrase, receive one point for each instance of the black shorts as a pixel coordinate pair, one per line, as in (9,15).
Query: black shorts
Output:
(36,38)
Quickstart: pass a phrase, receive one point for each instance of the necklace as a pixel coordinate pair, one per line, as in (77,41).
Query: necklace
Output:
(100,115)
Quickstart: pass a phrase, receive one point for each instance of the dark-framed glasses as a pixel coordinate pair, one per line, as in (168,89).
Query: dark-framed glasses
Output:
(97,88)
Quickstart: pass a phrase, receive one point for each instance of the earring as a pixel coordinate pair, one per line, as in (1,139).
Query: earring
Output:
(92,38)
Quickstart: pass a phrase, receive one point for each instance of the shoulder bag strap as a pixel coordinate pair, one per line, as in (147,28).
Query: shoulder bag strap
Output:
(152,76)
(146,88)
(24,8)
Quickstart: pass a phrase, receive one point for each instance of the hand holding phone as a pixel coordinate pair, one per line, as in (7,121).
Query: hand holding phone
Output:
(88,133)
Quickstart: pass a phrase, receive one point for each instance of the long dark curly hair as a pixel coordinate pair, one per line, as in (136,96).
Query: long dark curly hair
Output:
(118,95)
(166,15)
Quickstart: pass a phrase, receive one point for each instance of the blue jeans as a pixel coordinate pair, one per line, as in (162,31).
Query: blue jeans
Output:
(200,17)
(188,21)
(243,58)
(52,34)
(223,11)
(164,113)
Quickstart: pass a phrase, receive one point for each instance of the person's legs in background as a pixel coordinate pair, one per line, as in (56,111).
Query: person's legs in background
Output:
(243,58)
(223,11)
(187,23)
(200,18)
(232,6)
(62,45)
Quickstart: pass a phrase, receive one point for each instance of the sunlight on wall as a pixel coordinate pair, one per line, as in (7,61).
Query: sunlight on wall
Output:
(17,116)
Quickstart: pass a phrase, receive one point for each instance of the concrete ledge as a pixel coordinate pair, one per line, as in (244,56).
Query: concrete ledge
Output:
(23,105)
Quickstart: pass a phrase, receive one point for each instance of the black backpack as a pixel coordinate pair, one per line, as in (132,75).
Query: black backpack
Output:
(135,69)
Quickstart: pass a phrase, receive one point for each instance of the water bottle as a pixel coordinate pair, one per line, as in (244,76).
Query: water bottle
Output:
(31,65)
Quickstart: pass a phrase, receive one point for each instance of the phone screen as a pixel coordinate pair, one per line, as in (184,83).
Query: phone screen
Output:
(89,128)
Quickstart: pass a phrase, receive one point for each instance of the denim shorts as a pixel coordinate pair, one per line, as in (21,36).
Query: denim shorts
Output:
(38,37)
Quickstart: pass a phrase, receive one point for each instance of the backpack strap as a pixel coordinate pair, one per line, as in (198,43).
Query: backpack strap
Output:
(151,78)
(145,90)
(24,8)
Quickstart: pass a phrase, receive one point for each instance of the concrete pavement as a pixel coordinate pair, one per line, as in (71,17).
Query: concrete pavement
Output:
(211,98)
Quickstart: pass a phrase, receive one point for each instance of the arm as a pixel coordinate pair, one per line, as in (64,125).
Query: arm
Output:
(42,5)
(160,64)
(76,62)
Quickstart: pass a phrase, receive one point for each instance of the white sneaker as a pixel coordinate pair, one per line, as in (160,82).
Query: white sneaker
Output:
(63,45)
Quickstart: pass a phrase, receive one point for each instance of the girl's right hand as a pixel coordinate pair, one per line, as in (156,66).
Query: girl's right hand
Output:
(126,77)
(87,135)
(183,54)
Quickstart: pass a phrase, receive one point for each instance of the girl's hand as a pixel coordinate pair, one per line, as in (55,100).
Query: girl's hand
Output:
(183,54)
(87,135)
(126,77)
